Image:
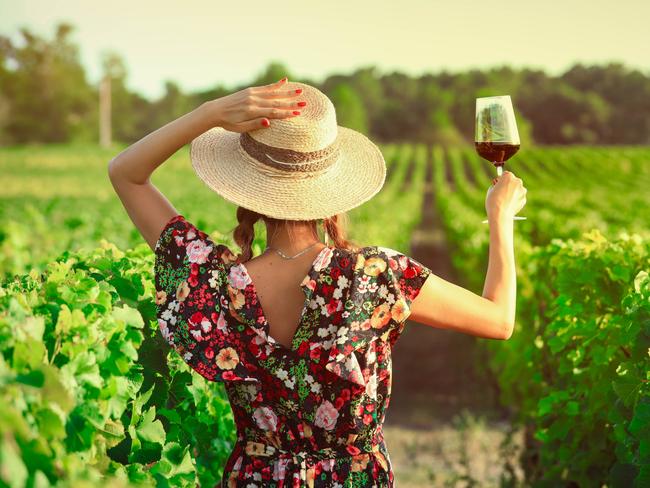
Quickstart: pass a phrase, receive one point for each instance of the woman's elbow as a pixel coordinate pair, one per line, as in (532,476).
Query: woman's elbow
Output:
(507,330)
(113,171)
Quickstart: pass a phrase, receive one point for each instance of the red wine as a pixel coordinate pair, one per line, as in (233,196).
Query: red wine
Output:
(496,152)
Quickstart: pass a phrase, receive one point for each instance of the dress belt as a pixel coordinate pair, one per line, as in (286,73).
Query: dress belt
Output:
(254,448)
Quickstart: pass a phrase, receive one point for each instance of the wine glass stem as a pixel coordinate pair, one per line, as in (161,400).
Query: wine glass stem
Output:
(499,170)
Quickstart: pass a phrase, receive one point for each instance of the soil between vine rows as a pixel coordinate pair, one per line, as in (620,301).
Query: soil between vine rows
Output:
(444,419)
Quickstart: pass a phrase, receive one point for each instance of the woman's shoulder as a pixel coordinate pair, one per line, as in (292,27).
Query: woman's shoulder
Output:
(399,271)
(364,251)
(390,255)
(385,265)
(183,245)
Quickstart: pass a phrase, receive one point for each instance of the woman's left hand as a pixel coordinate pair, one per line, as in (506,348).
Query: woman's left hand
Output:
(252,107)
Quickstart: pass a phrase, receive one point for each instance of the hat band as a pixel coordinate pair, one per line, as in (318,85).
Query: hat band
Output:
(290,163)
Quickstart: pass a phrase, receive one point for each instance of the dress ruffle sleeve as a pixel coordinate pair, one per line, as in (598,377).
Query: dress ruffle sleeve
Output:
(386,282)
(190,271)
(404,277)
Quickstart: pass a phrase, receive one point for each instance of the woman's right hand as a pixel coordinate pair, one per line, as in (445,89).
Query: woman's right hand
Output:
(506,197)
(251,108)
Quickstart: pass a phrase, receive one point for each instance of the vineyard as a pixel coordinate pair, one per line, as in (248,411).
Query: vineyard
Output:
(91,392)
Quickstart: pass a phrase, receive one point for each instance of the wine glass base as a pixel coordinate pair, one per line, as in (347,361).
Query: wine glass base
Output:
(516,217)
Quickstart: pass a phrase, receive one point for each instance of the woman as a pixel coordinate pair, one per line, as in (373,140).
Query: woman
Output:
(302,334)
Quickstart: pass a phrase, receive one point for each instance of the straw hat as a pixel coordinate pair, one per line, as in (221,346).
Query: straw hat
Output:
(300,168)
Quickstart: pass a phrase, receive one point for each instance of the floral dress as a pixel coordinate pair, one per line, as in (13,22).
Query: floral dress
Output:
(309,415)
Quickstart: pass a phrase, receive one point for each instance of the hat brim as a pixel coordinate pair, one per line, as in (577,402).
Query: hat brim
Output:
(358,175)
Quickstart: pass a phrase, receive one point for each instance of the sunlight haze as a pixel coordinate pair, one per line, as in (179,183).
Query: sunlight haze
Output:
(199,44)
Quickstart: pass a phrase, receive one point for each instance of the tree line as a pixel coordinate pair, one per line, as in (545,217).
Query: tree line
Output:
(45,97)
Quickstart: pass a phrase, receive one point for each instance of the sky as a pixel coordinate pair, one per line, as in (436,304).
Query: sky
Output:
(200,43)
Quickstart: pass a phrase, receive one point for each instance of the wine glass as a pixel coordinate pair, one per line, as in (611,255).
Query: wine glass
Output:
(496,138)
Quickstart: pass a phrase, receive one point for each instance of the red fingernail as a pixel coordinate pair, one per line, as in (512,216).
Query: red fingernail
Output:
(302,104)
(299,90)
(265,123)
(295,112)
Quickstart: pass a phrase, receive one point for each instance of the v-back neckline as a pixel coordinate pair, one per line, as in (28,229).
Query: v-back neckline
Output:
(266,328)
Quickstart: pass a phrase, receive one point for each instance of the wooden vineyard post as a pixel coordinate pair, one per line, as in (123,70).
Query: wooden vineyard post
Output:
(105,112)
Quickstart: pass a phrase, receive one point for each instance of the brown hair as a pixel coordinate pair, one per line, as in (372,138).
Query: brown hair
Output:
(244,233)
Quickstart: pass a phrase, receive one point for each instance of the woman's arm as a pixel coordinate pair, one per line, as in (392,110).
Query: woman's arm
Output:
(130,171)
(137,162)
(501,279)
(445,305)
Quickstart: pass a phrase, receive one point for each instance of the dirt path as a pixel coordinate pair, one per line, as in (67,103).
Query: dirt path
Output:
(444,422)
